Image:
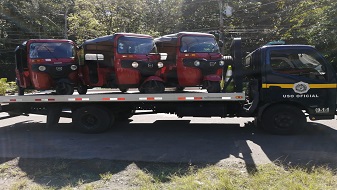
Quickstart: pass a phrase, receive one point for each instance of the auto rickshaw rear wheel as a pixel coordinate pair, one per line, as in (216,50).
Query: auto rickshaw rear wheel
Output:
(180,88)
(21,91)
(64,89)
(123,89)
(152,87)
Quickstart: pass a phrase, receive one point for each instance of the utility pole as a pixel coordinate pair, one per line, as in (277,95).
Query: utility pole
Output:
(221,27)
(65,30)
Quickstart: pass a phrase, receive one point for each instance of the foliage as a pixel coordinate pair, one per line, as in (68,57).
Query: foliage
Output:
(315,22)
(7,87)
(3,86)
(257,22)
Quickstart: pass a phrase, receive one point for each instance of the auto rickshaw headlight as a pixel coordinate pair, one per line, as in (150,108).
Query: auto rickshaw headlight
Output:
(196,63)
(134,64)
(42,68)
(222,63)
(73,67)
(160,64)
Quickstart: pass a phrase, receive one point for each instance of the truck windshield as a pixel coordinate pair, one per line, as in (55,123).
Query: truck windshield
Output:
(136,45)
(51,50)
(201,44)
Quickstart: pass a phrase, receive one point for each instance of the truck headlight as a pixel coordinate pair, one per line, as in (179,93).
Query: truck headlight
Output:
(160,64)
(42,68)
(196,63)
(222,63)
(73,67)
(134,64)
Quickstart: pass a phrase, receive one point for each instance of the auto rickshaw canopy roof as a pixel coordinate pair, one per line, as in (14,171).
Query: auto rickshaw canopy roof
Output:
(109,39)
(172,38)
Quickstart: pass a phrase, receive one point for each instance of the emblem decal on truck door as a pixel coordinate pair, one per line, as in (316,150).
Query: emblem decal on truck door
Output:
(301,87)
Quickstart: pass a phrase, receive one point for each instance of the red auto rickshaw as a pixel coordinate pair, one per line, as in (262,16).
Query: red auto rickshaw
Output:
(122,60)
(193,59)
(46,64)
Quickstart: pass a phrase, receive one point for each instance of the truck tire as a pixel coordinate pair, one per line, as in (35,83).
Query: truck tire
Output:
(236,53)
(92,119)
(283,120)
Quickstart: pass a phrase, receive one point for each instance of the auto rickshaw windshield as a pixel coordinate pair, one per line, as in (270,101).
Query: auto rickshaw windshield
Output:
(200,44)
(51,50)
(136,45)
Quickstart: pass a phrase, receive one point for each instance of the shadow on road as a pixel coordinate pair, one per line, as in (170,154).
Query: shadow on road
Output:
(179,142)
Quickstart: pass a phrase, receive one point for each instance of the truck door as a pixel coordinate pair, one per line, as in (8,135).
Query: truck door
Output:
(300,75)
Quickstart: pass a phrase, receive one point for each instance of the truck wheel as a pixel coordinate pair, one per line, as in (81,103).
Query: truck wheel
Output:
(64,89)
(213,86)
(92,119)
(283,120)
(82,89)
(152,87)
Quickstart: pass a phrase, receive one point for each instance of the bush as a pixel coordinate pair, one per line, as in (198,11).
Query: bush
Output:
(3,86)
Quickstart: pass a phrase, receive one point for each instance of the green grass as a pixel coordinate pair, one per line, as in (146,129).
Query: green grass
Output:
(50,174)
(266,177)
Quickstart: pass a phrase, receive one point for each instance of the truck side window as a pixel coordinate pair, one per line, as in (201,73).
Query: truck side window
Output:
(305,64)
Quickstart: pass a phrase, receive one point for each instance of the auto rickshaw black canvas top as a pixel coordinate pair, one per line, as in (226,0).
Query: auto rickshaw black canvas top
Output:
(108,40)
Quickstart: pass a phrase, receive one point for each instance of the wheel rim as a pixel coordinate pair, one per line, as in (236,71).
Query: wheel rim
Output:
(89,121)
(283,121)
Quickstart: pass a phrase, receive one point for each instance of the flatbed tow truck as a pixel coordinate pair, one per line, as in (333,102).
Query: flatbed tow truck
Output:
(280,93)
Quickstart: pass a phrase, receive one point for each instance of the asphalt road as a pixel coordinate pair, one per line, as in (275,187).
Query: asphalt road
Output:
(166,138)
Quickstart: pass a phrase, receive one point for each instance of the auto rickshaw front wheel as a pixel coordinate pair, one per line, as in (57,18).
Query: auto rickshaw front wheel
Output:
(82,89)
(64,88)
(152,87)
(212,86)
